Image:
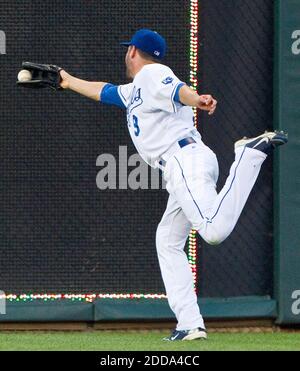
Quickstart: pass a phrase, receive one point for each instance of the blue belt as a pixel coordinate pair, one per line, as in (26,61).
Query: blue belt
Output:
(182,143)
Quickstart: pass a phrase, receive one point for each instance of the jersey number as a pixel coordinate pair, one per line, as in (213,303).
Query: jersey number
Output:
(137,129)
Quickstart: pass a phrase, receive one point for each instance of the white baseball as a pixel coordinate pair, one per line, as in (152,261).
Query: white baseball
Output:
(24,75)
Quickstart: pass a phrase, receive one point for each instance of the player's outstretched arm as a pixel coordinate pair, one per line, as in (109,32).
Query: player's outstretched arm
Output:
(190,97)
(89,89)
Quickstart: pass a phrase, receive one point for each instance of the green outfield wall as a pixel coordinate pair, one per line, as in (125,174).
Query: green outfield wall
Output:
(287,161)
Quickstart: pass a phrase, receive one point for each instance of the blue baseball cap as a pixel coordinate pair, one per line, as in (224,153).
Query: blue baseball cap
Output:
(149,42)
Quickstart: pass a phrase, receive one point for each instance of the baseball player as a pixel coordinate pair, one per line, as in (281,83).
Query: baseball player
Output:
(161,124)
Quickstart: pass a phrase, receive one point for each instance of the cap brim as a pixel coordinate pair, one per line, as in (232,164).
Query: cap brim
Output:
(126,43)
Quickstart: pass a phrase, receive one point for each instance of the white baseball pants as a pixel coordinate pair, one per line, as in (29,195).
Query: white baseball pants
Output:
(191,175)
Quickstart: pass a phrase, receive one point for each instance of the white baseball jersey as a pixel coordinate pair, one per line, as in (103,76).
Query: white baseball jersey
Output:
(156,119)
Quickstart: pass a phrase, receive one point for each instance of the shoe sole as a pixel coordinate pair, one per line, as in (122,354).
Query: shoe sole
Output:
(199,335)
(276,138)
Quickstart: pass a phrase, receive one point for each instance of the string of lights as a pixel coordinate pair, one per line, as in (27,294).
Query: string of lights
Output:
(194,13)
(77,297)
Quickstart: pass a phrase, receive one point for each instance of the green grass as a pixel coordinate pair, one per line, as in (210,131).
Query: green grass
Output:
(144,341)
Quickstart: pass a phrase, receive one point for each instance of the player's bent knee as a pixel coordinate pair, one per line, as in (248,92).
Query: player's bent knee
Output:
(214,237)
(212,242)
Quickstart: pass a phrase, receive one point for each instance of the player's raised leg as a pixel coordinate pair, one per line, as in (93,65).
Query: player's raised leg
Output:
(172,233)
(216,216)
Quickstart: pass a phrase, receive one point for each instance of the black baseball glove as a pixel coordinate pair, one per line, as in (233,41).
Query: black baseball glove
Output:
(43,75)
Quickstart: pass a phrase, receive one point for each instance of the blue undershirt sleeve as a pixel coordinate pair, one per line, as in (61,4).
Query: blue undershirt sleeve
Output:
(176,96)
(109,95)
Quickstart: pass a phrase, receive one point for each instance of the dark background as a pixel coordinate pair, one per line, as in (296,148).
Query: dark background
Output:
(236,58)
(58,232)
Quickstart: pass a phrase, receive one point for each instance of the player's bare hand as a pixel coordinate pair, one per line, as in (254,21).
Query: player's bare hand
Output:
(65,79)
(207,103)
